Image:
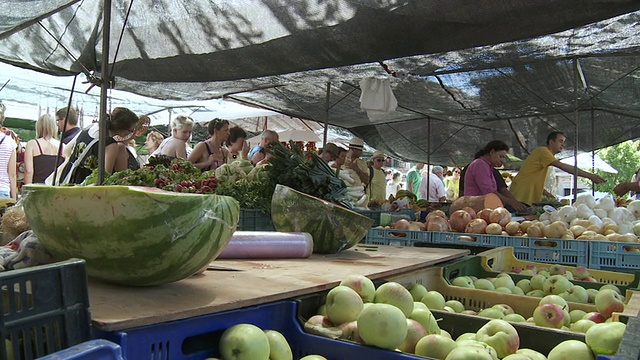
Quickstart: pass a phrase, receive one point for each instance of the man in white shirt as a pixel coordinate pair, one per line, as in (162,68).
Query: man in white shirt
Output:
(437,192)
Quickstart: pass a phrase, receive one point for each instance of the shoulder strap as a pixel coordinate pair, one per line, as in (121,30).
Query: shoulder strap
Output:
(370,178)
(77,162)
(208,148)
(39,147)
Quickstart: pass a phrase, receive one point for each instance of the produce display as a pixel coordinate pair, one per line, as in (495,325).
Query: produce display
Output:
(334,228)
(392,317)
(131,235)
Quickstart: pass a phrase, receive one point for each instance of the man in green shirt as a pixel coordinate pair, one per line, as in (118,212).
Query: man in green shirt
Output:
(414,178)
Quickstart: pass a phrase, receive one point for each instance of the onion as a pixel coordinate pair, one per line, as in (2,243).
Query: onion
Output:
(417,225)
(493,229)
(402,224)
(459,220)
(512,228)
(476,226)
(555,230)
(577,230)
(484,214)
(534,231)
(525,225)
(437,223)
(433,213)
(473,212)
(500,216)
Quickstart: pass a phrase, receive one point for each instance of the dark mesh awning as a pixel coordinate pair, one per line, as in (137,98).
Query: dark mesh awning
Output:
(463,72)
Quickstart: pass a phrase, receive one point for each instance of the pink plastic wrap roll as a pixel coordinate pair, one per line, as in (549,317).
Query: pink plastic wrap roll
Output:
(268,245)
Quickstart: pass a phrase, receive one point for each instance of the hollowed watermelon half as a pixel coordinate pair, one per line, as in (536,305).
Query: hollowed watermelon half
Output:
(135,236)
(333,227)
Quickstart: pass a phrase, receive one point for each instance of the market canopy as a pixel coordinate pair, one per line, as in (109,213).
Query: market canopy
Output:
(463,72)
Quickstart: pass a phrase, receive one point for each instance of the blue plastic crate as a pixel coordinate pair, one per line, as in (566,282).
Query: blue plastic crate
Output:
(375,214)
(380,236)
(44,309)
(614,256)
(255,220)
(553,251)
(89,350)
(198,337)
(476,240)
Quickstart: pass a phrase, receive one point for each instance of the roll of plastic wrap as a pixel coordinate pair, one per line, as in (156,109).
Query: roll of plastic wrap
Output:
(268,245)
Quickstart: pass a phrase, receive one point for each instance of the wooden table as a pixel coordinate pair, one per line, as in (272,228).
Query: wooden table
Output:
(233,284)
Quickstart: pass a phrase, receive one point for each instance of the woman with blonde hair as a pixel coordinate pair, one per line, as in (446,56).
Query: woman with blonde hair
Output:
(175,146)
(41,153)
(154,139)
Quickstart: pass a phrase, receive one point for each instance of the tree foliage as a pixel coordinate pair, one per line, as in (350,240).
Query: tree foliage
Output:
(625,158)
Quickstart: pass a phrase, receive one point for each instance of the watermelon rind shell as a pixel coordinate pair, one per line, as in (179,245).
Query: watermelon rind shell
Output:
(134,236)
(333,227)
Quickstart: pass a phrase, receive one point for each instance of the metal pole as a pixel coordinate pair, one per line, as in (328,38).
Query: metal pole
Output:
(428,157)
(106,29)
(326,117)
(577,129)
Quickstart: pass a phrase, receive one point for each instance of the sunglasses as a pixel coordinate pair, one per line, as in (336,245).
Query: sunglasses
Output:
(378,160)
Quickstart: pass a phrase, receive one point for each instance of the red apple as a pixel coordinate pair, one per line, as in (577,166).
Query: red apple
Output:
(415,332)
(594,316)
(607,302)
(549,315)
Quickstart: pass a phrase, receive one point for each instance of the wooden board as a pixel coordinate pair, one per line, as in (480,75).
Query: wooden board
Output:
(239,283)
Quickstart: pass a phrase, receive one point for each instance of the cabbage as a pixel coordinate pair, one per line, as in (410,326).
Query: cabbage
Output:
(244,165)
(226,173)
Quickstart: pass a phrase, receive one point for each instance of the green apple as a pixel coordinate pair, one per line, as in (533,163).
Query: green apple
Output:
(536,293)
(554,299)
(279,348)
(581,325)
(427,320)
(518,291)
(592,295)
(611,287)
(506,309)
(569,275)
(576,314)
(576,293)
(419,305)
(532,354)
(469,352)
(571,350)
(417,291)
(362,285)
(484,284)
(435,346)
(350,331)
(503,289)
(514,318)
(322,310)
(537,281)
(314,357)
(383,325)
(456,305)
(544,273)
(556,285)
(516,356)
(479,344)
(524,285)
(504,281)
(343,304)
(557,269)
(492,313)
(415,332)
(463,281)
(549,315)
(605,338)
(434,300)
(445,333)
(395,294)
(466,336)
(607,302)
(244,342)
(501,336)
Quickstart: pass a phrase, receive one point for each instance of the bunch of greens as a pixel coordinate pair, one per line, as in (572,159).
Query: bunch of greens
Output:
(178,175)
(308,174)
(251,194)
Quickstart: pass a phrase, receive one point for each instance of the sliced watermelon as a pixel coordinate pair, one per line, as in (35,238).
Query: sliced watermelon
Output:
(131,235)
(333,227)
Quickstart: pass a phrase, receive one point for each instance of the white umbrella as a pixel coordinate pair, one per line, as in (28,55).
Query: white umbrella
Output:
(584,162)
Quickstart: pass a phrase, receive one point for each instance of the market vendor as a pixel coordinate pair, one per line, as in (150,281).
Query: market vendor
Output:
(209,154)
(377,187)
(528,185)
(480,179)
(353,161)
(255,155)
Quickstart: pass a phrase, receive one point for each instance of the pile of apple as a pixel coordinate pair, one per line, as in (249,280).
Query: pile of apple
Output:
(554,281)
(249,342)
(398,318)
